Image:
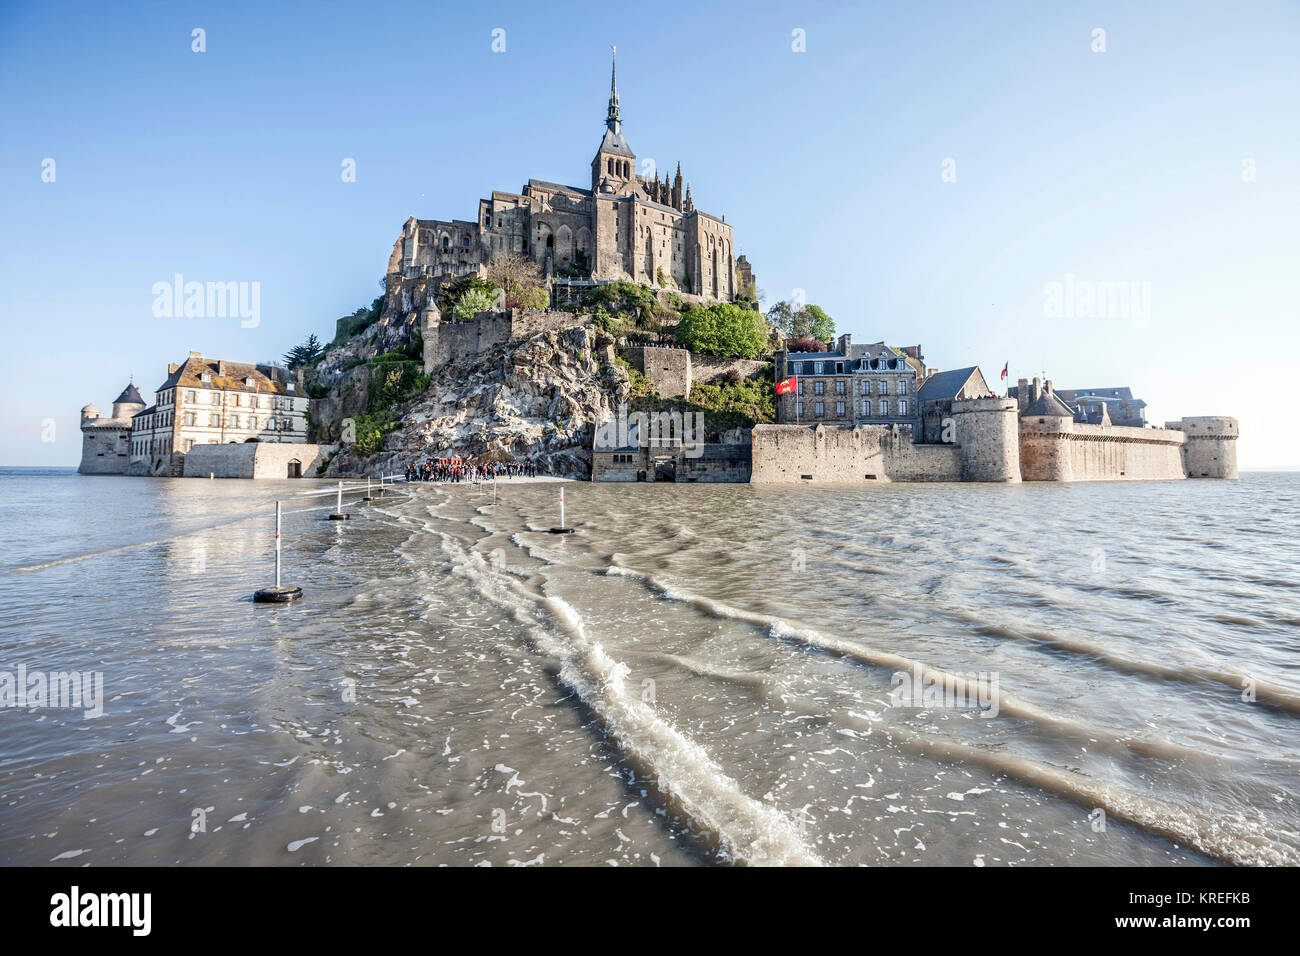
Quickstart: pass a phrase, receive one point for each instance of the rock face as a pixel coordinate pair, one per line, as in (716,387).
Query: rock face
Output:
(537,398)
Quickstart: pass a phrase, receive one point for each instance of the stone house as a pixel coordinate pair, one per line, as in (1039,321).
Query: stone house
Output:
(213,401)
(851,385)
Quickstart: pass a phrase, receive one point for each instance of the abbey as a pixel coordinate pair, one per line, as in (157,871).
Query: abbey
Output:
(629,225)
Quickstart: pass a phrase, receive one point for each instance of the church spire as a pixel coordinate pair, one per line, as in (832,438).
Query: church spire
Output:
(612,120)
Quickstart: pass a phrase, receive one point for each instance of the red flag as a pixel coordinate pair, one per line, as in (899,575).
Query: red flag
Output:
(1004,370)
(786,387)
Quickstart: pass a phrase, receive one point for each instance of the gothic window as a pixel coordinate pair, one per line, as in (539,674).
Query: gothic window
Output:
(446,244)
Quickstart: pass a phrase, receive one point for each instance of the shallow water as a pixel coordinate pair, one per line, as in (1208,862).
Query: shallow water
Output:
(699,674)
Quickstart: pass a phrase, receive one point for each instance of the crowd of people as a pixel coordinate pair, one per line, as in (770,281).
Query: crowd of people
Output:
(456,470)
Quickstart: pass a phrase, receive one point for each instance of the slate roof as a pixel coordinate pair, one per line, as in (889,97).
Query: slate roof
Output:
(943,385)
(615,143)
(571,189)
(1122,395)
(129,394)
(190,372)
(1048,405)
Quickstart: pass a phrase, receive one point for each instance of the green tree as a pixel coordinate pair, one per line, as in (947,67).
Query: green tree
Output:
(306,354)
(802,322)
(475,300)
(725,330)
(820,325)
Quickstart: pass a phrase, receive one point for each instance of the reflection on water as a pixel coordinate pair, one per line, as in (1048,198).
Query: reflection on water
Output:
(700,674)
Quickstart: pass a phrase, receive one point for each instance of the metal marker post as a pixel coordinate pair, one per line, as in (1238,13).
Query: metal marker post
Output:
(279,594)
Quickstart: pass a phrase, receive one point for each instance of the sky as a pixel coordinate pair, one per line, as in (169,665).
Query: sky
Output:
(928,173)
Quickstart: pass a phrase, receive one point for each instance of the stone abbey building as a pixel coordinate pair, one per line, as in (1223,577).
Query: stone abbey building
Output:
(627,225)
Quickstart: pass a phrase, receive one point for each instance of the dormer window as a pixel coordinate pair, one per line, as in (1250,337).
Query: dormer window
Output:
(205,377)
(817,367)
(249,381)
(289,386)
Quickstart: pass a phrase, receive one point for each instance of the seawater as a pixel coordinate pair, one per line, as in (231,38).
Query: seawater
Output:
(700,674)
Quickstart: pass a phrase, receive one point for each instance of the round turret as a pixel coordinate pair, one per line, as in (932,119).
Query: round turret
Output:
(1211,447)
(1045,427)
(89,412)
(128,403)
(985,428)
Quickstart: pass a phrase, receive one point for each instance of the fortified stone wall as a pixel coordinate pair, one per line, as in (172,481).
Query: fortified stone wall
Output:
(105,451)
(717,462)
(708,368)
(448,341)
(793,453)
(1058,449)
(254,460)
(669,370)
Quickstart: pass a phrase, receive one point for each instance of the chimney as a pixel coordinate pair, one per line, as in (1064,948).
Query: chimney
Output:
(171,368)
(195,355)
(1037,391)
(1047,386)
(221,367)
(1022,394)
(842,346)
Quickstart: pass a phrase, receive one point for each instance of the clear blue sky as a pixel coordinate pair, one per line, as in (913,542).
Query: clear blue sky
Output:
(225,166)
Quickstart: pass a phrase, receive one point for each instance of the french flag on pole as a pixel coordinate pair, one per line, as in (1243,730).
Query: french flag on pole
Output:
(1004,370)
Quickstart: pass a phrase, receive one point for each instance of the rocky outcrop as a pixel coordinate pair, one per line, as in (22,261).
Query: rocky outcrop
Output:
(537,398)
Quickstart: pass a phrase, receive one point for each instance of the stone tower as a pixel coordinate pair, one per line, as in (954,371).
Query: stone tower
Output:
(1211,447)
(987,429)
(1045,427)
(106,442)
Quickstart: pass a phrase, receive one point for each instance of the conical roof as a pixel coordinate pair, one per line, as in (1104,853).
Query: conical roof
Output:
(1049,405)
(130,395)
